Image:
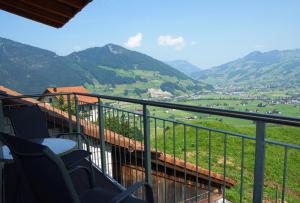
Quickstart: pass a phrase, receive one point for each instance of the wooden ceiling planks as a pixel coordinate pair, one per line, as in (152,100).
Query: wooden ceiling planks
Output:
(55,13)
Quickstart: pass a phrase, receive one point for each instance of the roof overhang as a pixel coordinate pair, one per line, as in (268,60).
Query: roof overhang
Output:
(55,13)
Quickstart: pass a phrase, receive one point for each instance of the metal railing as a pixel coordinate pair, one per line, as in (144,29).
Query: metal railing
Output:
(182,160)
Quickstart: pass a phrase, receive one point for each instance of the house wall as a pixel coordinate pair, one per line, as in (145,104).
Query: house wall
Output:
(96,156)
(46,99)
(89,111)
(165,189)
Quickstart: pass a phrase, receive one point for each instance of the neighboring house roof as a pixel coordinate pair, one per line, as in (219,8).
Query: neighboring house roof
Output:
(114,138)
(71,89)
(55,13)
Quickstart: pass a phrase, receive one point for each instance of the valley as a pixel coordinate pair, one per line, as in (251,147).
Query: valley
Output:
(266,83)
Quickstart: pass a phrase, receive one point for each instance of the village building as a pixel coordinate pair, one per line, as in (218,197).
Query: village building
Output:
(87,105)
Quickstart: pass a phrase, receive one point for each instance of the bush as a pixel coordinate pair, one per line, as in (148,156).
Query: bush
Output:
(121,126)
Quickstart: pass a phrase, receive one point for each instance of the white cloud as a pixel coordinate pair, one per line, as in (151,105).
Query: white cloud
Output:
(167,40)
(134,41)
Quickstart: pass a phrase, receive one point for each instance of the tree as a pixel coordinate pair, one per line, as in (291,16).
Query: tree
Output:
(122,126)
(61,100)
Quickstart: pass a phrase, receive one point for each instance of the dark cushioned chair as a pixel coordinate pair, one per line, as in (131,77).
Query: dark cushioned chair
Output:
(50,181)
(29,122)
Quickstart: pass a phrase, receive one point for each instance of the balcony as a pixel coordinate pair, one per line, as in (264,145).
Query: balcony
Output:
(183,161)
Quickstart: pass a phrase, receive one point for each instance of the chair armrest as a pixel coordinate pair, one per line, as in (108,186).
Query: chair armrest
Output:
(88,173)
(149,193)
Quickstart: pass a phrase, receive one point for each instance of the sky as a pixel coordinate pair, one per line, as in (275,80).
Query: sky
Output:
(205,33)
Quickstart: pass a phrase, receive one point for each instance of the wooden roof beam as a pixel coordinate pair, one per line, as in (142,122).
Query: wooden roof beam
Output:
(79,4)
(34,11)
(30,15)
(52,6)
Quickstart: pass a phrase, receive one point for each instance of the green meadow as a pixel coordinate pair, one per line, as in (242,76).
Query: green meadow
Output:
(164,133)
(274,154)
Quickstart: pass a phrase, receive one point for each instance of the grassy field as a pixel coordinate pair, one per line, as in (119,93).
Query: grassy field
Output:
(153,80)
(274,154)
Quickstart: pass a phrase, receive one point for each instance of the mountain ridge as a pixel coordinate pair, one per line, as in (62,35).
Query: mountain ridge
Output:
(274,68)
(185,67)
(29,69)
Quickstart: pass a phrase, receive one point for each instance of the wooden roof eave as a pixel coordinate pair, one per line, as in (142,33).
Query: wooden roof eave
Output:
(55,13)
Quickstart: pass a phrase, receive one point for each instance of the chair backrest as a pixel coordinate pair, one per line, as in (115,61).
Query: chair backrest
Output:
(42,169)
(29,122)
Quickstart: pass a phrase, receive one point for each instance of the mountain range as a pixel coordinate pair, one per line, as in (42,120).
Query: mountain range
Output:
(111,69)
(275,69)
(114,70)
(184,67)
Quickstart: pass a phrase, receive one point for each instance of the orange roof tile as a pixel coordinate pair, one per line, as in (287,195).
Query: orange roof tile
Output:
(70,89)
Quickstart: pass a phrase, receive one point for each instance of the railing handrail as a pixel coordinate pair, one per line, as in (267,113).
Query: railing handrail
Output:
(283,120)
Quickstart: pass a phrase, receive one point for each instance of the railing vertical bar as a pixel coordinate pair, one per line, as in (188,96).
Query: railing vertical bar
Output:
(101,135)
(184,150)
(113,158)
(62,122)
(142,152)
(135,149)
(259,162)
(87,123)
(147,144)
(174,161)
(119,146)
(78,130)
(165,167)
(156,157)
(97,141)
(209,165)
(124,152)
(242,170)
(45,115)
(110,130)
(106,137)
(124,148)
(129,148)
(284,174)
(225,159)
(95,134)
(54,123)
(197,163)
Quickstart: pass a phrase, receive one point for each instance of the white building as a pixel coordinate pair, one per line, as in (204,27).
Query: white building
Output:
(87,105)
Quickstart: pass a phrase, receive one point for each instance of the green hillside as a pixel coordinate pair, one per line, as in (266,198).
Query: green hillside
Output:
(258,69)
(110,69)
(29,69)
